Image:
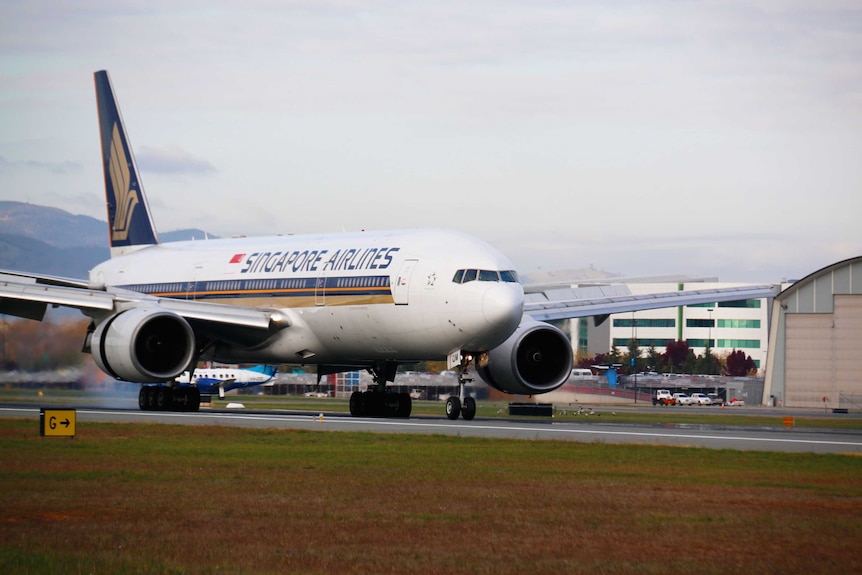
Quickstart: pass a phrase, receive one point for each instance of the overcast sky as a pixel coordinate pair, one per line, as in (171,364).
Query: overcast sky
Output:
(651,137)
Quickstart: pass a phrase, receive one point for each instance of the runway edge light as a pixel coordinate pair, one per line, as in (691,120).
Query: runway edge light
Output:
(57,422)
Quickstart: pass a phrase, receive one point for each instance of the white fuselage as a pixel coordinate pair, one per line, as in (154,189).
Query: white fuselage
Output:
(348,297)
(233,374)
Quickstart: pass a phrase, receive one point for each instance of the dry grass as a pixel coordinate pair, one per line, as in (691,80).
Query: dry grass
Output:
(126,498)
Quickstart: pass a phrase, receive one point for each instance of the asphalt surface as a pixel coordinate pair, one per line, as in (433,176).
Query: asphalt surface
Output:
(590,430)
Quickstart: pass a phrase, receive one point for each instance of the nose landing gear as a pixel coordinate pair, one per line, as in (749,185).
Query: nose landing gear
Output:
(462,405)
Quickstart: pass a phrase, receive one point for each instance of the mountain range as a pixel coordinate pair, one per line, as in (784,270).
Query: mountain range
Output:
(50,241)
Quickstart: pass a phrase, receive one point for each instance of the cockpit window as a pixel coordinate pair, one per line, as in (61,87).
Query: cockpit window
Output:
(464,276)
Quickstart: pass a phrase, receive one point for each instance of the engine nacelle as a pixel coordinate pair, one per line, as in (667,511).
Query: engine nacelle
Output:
(536,359)
(146,345)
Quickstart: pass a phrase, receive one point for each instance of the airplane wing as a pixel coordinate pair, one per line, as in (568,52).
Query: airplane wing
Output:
(42,279)
(602,300)
(29,296)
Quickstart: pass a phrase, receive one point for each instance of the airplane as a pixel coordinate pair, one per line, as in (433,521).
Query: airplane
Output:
(369,300)
(219,380)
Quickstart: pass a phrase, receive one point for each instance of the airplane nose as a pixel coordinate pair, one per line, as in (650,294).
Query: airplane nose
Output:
(503,306)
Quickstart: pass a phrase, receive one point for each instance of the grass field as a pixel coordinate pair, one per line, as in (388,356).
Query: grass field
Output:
(124,498)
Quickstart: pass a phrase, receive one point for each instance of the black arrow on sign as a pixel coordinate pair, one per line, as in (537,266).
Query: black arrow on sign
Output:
(65,423)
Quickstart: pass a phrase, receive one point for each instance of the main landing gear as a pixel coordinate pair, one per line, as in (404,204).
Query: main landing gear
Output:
(166,398)
(378,402)
(462,405)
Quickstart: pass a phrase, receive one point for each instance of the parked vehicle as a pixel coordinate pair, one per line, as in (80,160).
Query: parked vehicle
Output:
(700,399)
(681,399)
(716,399)
(735,401)
(663,397)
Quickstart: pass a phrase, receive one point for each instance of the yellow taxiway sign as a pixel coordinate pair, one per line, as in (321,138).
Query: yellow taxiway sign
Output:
(57,422)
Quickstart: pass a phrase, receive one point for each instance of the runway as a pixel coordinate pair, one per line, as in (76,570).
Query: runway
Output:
(706,436)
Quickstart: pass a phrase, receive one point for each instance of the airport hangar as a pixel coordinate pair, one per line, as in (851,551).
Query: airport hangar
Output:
(815,340)
(807,337)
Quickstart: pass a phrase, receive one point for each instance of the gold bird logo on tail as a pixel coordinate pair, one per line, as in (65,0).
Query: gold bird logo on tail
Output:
(125,196)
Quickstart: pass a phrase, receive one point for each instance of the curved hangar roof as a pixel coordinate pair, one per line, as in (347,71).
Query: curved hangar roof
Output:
(814,293)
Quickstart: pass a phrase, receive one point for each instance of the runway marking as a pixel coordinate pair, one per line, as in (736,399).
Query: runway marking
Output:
(546,429)
(552,430)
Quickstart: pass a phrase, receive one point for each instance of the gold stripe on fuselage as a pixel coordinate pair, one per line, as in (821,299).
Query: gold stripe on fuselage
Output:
(247,299)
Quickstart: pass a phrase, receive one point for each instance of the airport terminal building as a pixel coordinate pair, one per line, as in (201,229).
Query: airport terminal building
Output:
(724,326)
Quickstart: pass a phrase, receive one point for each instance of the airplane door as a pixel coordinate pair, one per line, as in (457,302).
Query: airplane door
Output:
(401,289)
(192,286)
(320,290)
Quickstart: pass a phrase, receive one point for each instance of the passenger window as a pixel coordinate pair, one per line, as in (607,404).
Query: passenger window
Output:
(459,275)
(488,276)
(469,276)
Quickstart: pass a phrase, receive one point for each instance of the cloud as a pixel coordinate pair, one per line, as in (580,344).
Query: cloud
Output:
(172,161)
(646,137)
(61,168)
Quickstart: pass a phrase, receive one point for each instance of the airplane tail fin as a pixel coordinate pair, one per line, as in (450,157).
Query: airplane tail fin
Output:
(130,225)
(268,370)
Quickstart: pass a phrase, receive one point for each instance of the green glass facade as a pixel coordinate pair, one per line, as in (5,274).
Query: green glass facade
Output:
(740,323)
(739,343)
(645,322)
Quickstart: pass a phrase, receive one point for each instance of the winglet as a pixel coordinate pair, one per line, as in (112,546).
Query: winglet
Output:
(130,225)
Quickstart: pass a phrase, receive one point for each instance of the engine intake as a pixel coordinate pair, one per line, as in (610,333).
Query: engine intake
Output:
(146,345)
(536,359)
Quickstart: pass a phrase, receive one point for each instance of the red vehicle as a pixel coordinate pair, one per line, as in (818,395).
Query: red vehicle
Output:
(663,397)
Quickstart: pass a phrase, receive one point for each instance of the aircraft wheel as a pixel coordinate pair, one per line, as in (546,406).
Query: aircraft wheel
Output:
(356,404)
(193,399)
(468,411)
(374,404)
(144,398)
(405,405)
(390,404)
(453,408)
(180,399)
(164,398)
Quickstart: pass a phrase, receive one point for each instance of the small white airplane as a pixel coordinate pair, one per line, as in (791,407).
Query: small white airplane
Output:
(340,302)
(223,379)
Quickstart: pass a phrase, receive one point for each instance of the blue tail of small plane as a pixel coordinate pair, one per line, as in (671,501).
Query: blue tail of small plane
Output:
(129,221)
(268,370)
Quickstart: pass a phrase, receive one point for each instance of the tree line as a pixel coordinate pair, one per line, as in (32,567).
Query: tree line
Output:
(35,346)
(678,357)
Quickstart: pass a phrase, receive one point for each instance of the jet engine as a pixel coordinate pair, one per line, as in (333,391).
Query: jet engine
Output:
(146,345)
(536,359)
